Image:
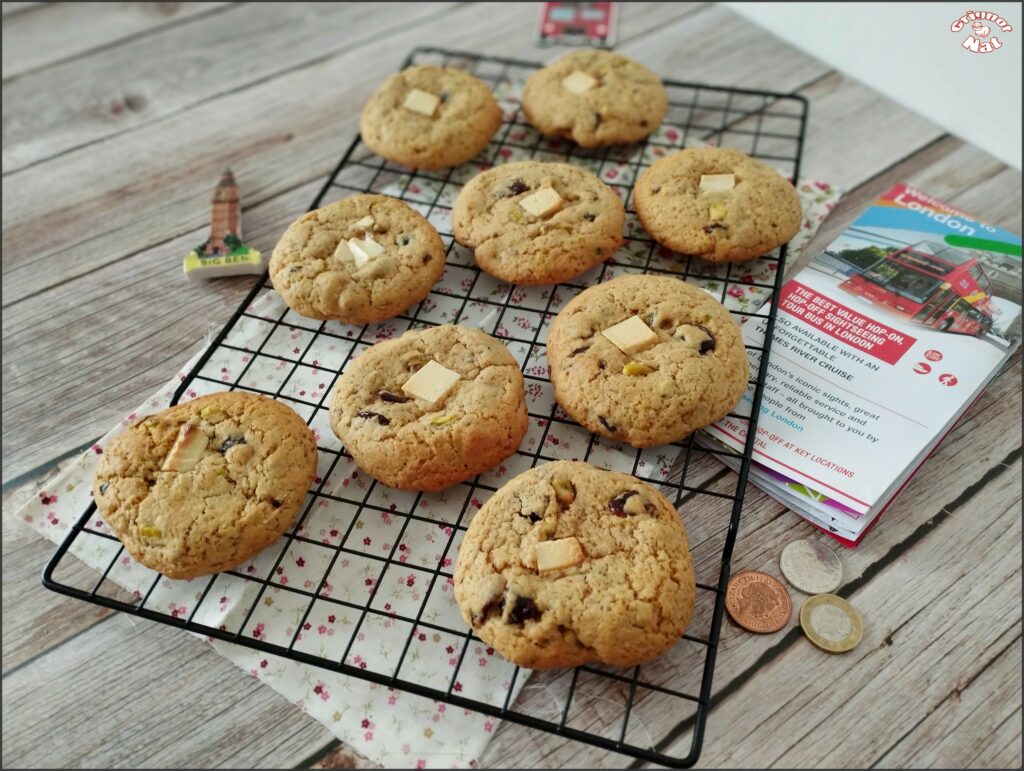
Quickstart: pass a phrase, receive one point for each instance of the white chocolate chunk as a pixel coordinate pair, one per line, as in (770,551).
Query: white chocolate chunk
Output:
(578,82)
(365,222)
(342,252)
(556,555)
(364,250)
(422,102)
(543,203)
(631,336)
(187,449)
(717,183)
(431,383)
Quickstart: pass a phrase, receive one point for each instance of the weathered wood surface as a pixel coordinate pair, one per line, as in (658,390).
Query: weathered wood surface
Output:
(106,181)
(70,30)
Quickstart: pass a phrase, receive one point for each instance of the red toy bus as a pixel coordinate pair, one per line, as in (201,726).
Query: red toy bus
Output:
(932,284)
(578,23)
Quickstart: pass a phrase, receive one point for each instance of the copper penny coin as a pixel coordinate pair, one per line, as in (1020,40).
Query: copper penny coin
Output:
(758,602)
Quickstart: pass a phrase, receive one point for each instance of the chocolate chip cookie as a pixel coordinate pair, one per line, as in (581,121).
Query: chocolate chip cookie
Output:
(430,117)
(595,98)
(203,486)
(568,563)
(646,359)
(433,407)
(538,223)
(718,204)
(358,260)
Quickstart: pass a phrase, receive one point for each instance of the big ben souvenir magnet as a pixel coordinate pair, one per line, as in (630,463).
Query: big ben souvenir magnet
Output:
(223,253)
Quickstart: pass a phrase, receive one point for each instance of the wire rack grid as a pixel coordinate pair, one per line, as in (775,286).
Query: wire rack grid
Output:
(655,712)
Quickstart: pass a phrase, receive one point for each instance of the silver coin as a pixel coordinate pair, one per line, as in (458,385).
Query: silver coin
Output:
(811,567)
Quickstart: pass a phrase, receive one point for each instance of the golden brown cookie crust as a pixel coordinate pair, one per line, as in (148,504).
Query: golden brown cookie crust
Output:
(319,282)
(760,213)
(463,124)
(515,245)
(626,602)
(237,487)
(408,443)
(627,103)
(669,389)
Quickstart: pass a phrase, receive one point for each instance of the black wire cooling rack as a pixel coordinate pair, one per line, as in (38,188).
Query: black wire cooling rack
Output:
(655,712)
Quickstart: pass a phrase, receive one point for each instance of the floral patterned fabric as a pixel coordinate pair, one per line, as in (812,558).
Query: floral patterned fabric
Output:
(399,566)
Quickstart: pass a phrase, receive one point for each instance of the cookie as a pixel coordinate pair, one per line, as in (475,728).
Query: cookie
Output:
(595,98)
(646,359)
(358,260)
(538,223)
(431,408)
(568,563)
(203,486)
(718,204)
(430,117)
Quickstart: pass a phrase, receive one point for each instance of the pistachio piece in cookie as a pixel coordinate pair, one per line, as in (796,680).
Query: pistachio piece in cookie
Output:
(638,369)
(358,260)
(605,578)
(668,359)
(431,408)
(565,491)
(212,413)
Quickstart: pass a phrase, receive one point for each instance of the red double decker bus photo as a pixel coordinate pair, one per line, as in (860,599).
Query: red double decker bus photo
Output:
(932,284)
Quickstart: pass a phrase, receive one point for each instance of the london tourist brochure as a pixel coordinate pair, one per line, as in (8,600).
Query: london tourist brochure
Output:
(879,346)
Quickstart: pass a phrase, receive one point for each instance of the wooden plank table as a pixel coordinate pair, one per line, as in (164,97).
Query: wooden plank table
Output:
(118,117)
